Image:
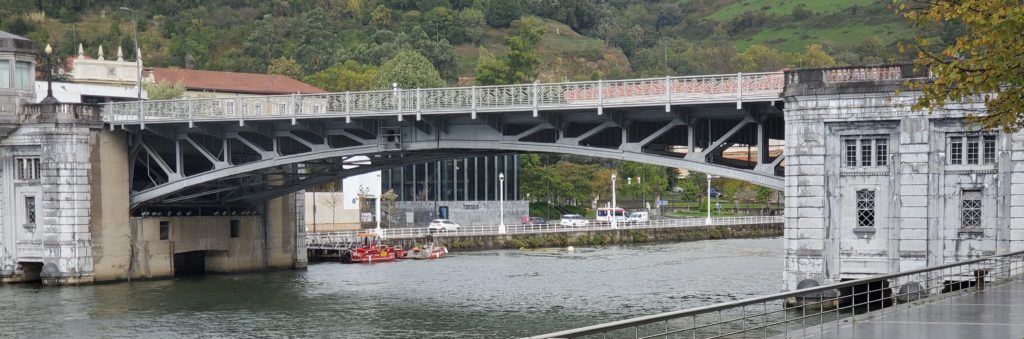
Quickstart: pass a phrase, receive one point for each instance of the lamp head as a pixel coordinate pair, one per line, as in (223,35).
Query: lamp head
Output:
(501,176)
(48,49)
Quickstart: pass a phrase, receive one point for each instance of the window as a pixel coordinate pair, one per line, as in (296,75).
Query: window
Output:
(165,230)
(866,151)
(23,75)
(5,74)
(970,208)
(26,168)
(990,149)
(881,152)
(866,208)
(30,210)
(851,152)
(972,149)
(235,225)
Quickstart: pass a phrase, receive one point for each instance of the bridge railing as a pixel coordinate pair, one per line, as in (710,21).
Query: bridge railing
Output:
(398,102)
(815,311)
(553,227)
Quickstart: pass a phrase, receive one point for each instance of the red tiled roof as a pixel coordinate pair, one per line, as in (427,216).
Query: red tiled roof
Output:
(232,82)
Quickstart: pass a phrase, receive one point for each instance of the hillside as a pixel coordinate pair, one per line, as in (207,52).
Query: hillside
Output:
(583,39)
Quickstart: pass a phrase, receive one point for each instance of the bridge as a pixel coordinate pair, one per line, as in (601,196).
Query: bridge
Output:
(243,150)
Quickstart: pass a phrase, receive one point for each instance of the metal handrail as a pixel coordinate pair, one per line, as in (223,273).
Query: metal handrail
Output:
(535,96)
(816,296)
(479,230)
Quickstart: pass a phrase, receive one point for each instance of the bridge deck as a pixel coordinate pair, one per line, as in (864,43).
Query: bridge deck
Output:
(996,312)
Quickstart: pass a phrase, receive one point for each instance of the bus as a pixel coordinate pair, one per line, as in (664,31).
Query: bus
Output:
(607,213)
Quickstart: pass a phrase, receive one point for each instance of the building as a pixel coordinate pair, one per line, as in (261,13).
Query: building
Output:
(465,190)
(204,84)
(95,80)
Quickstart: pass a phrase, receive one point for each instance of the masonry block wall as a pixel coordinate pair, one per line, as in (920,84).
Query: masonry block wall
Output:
(874,187)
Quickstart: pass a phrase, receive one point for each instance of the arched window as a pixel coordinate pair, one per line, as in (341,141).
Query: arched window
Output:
(866,208)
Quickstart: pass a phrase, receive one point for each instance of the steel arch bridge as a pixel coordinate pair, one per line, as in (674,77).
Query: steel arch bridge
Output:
(244,150)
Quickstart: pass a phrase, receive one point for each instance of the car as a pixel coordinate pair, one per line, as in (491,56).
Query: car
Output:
(535,222)
(442,225)
(637,217)
(573,220)
(715,193)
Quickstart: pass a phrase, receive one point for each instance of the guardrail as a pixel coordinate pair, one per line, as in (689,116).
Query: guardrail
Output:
(815,311)
(416,232)
(518,97)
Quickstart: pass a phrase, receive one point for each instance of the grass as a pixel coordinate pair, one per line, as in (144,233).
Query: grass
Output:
(785,6)
(794,39)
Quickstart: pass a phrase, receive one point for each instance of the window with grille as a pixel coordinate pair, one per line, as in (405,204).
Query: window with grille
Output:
(866,208)
(972,149)
(26,168)
(970,208)
(30,210)
(866,151)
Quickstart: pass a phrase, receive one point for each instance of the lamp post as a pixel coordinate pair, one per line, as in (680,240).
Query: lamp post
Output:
(614,205)
(708,220)
(49,79)
(501,206)
(138,52)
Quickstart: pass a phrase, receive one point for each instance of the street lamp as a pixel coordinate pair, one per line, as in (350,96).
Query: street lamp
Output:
(138,52)
(708,220)
(501,206)
(49,79)
(614,205)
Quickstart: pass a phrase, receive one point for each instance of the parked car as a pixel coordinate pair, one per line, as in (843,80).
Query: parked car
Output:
(535,222)
(573,220)
(637,217)
(715,193)
(442,225)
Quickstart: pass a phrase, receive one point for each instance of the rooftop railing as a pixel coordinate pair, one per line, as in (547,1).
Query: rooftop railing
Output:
(816,311)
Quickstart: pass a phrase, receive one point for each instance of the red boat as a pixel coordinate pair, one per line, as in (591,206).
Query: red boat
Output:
(432,249)
(370,252)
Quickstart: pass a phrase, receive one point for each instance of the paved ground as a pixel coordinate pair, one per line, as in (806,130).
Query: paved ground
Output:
(996,312)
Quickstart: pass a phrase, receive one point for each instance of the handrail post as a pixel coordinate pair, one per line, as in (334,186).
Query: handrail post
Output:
(419,108)
(188,112)
(739,90)
(668,93)
(472,102)
(536,96)
(348,114)
(142,115)
(600,97)
(295,110)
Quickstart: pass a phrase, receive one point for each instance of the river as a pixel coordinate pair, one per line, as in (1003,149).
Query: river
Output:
(485,294)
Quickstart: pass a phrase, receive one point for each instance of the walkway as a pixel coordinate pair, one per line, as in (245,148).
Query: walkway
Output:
(996,312)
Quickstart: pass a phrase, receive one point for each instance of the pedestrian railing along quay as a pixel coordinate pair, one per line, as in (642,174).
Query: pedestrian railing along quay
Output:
(815,311)
(317,238)
(456,100)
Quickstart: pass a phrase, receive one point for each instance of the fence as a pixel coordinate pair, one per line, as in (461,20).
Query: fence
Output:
(416,232)
(812,311)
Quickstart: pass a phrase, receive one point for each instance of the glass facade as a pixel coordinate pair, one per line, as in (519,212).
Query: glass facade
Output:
(464,179)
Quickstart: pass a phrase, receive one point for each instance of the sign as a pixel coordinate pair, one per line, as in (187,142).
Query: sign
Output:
(662,202)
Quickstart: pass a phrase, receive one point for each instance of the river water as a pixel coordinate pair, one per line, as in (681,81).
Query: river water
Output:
(486,294)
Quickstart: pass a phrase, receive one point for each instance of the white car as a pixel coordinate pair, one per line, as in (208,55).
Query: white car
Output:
(573,220)
(637,217)
(442,225)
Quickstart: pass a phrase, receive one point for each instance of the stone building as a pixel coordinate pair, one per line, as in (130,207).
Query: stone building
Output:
(874,187)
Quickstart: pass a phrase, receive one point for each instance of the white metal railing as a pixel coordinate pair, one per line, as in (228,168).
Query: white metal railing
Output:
(415,102)
(416,232)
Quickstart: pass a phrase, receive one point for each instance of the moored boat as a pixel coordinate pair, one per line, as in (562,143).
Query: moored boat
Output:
(431,249)
(370,251)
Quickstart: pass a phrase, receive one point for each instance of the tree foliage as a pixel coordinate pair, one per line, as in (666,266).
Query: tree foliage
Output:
(519,65)
(986,61)
(315,50)
(501,13)
(347,76)
(409,70)
(285,66)
(164,90)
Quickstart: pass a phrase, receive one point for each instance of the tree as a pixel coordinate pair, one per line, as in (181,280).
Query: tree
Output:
(285,66)
(815,56)
(347,76)
(164,90)
(490,70)
(520,63)
(410,70)
(985,62)
(471,24)
(501,13)
(315,50)
(264,42)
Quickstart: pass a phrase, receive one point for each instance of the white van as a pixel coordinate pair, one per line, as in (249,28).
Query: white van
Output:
(637,217)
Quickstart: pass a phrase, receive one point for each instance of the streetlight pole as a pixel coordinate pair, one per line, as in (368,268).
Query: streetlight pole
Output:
(49,99)
(614,204)
(376,214)
(708,220)
(501,206)
(138,52)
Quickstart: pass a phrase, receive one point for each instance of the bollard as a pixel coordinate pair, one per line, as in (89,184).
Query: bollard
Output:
(979,278)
